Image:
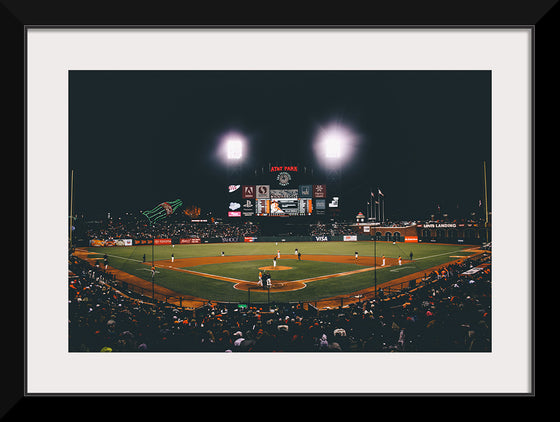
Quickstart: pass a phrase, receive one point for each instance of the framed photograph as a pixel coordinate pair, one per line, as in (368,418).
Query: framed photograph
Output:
(109,71)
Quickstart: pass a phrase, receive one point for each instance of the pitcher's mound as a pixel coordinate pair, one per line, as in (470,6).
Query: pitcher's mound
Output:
(273,268)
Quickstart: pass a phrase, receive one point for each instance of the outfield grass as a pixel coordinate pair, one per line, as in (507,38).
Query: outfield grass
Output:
(129,259)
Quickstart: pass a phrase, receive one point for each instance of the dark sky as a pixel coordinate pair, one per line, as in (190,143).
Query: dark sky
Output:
(138,138)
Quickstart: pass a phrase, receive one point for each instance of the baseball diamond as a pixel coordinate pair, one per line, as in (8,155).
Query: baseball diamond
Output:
(195,280)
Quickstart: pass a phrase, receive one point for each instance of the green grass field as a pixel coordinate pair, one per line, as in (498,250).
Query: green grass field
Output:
(129,259)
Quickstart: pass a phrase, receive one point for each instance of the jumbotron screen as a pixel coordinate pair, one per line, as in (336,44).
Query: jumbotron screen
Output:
(283,193)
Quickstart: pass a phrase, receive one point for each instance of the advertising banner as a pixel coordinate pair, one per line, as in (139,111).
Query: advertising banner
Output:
(320,206)
(262,191)
(249,192)
(162,241)
(334,202)
(319,191)
(123,242)
(411,239)
(306,191)
(143,241)
(283,193)
(248,209)
(233,188)
(189,241)
(110,242)
(249,239)
(234,214)
(321,238)
(351,238)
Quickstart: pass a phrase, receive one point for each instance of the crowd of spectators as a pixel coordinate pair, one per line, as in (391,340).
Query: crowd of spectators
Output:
(134,229)
(450,313)
(330,229)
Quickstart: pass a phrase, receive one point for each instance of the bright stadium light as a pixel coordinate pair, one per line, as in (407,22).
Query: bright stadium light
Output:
(234,149)
(334,144)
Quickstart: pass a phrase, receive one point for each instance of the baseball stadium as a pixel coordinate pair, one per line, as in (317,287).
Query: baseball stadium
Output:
(279,252)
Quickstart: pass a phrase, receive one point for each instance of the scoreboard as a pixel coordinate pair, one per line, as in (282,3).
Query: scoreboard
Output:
(282,207)
(282,192)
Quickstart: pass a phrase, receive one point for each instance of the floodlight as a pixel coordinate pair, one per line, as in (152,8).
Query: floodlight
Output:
(234,149)
(334,144)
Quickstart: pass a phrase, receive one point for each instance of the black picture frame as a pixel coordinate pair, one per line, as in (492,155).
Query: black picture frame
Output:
(19,15)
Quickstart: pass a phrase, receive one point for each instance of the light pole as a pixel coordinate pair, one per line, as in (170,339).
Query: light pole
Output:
(375,263)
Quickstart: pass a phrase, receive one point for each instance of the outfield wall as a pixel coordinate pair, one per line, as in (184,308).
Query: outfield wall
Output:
(234,239)
(393,234)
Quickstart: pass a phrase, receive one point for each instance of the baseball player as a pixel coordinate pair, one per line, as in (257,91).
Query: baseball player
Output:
(172,258)
(278,253)
(268,281)
(383,258)
(400,260)
(356,256)
(274,262)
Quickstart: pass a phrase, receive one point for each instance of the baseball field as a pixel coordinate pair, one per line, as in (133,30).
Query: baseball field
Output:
(226,272)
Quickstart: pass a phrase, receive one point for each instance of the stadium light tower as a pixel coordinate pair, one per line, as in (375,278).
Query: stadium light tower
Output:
(234,148)
(233,153)
(334,145)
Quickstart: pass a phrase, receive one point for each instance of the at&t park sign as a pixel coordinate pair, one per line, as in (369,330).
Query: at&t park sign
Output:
(274,169)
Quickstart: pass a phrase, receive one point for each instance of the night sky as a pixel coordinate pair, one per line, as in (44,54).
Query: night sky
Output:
(138,138)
